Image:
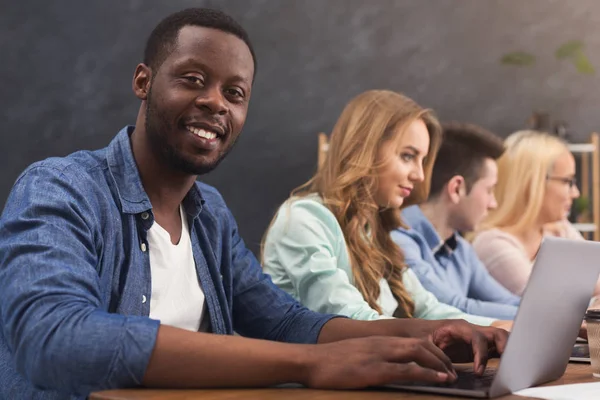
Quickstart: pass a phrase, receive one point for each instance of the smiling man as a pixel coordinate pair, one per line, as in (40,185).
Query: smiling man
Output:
(119,269)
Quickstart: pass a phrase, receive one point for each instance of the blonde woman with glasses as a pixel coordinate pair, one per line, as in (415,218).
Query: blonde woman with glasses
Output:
(329,245)
(535,191)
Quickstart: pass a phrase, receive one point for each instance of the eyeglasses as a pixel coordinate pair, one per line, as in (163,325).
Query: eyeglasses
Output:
(569,181)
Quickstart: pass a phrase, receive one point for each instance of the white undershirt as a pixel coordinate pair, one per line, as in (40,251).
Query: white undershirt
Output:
(177,298)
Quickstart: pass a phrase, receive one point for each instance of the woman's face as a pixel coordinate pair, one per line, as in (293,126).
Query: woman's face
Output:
(560,189)
(401,163)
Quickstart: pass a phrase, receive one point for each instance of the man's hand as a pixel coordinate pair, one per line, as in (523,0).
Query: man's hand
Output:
(373,361)
(460,340)
(464,342)
(182,358)
(506,325)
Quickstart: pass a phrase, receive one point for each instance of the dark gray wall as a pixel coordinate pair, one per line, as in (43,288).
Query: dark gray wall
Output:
(67,65)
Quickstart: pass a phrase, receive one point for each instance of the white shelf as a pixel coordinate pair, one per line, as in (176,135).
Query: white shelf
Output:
(585,227)
(581,147)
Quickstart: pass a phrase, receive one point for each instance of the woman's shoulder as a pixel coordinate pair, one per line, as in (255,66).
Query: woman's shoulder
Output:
(305,213)
(310,205)
(304,225)
(492,237)
(490,234)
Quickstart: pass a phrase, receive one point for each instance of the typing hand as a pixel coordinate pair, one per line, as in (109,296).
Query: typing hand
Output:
(378,360)
(464,342)
(506,325)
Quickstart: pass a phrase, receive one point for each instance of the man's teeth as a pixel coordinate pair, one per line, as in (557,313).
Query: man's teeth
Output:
(202,133)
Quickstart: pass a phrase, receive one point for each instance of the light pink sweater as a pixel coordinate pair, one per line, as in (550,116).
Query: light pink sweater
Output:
(506,259)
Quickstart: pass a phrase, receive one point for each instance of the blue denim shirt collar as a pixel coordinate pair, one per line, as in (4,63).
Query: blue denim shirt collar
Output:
(123,169)
(415,218)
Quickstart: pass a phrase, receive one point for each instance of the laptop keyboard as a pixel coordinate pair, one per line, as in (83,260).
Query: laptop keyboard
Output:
(467,379)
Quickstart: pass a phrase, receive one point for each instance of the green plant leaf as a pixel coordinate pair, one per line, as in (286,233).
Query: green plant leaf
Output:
(581,204)
(583,64)
(518,58)
(569,49)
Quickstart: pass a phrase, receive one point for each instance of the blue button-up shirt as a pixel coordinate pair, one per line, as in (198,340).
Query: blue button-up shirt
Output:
(451,270)
(75,278)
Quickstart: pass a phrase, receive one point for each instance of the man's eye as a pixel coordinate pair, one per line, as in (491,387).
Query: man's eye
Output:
(235,92)
(194,79)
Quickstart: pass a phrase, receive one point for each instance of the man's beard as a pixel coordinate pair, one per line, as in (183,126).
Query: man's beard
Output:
(157,129)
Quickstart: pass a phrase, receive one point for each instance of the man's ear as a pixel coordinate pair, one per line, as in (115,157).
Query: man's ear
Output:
(455,188)
(141,81)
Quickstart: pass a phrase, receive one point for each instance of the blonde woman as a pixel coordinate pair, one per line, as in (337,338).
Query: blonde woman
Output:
(535,190)
(329,245)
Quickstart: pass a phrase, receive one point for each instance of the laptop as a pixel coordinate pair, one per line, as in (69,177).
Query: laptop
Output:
(545,328)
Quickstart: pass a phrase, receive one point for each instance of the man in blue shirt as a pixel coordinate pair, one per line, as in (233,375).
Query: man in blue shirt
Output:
(76,282)
(462,192)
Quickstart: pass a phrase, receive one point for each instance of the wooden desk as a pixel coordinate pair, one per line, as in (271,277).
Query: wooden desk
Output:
(576,373)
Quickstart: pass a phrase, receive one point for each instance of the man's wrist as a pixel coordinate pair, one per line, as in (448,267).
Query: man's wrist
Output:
(304,362)
(409,328)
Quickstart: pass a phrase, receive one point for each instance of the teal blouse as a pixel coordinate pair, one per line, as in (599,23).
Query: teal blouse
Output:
(305,253)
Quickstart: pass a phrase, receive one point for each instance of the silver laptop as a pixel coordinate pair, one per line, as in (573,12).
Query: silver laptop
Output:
(546,326)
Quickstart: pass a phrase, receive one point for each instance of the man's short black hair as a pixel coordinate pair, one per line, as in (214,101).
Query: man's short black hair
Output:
(163,38)
(463,151)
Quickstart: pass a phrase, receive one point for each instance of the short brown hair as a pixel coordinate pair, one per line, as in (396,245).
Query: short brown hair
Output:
(463,151)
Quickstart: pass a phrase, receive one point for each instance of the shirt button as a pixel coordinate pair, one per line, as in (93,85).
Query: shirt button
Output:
(145,215)
(143,247)
(143,299)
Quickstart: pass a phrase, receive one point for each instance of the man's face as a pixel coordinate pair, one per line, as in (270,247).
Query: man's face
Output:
(473,207)
(198,99)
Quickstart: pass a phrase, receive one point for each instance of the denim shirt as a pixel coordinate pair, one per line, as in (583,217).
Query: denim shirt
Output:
(75,277)
(451,270)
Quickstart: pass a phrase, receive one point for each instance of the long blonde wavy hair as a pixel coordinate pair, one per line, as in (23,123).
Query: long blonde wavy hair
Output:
(348,178)
(522,173)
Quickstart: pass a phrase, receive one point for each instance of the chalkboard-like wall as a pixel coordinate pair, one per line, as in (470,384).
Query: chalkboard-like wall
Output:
(67,65)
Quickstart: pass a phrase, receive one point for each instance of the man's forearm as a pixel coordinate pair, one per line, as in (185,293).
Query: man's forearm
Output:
(189,359)
(344,328)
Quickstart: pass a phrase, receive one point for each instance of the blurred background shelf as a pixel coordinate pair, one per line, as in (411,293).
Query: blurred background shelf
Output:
(579,148)
(585,227)
(589,156)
